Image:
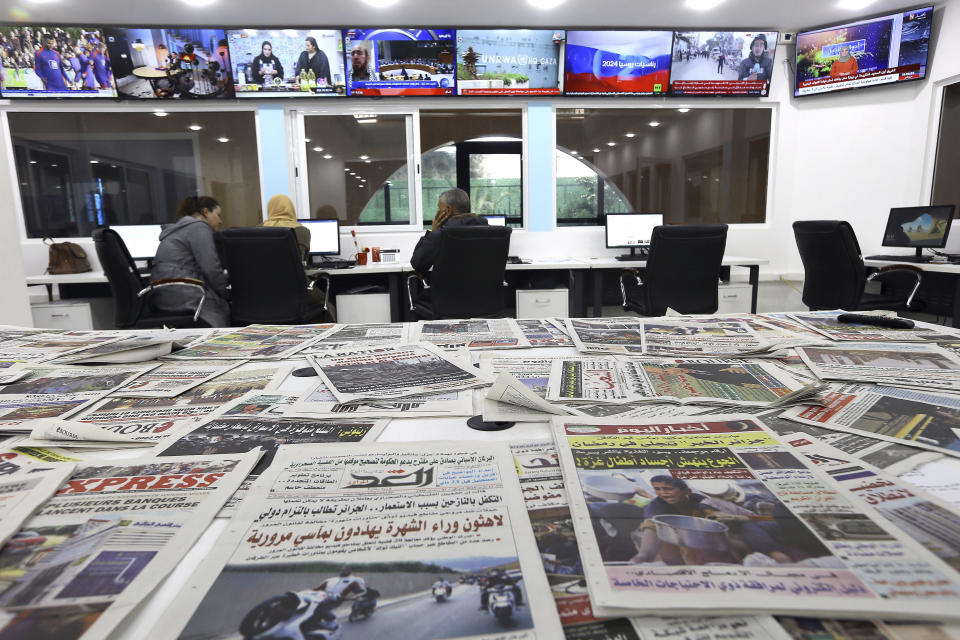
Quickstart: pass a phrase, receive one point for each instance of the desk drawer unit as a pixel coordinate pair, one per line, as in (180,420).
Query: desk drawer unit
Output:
(543,303)
(734,298)
(62,316)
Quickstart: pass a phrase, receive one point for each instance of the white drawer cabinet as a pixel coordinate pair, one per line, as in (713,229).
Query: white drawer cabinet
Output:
(360,308)
(543,303)
(62,315)
(734,298)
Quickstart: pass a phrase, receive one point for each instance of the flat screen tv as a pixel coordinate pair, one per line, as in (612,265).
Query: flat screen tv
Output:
(876,51)
(55,62)
(400,62)
(287,63)
(169,62)
(722,63)
(509,62)
(617,63)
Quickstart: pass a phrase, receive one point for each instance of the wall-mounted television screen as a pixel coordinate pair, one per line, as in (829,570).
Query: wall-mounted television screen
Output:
(617,62)
(722,63)
(55,62)
(505,62)
(170,62)
(400,62)
(292,63)
(876,51)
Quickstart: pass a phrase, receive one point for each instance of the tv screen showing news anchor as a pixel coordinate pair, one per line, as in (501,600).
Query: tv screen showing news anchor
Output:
(400,62)
(617,62)
(55,62)
(884,50)
(170,63)
(722,63)
(507,62)
(287,63)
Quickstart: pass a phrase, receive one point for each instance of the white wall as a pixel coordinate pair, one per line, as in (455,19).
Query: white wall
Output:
(14,302)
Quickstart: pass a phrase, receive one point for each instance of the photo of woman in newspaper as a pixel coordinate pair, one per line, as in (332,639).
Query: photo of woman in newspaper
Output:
(659,518)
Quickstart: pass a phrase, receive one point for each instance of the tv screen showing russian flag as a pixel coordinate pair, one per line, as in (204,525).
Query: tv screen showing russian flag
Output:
(618,62)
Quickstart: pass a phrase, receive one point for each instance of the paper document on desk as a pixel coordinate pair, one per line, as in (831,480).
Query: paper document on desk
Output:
(395,372)
(475,333)
(126,350)
(410,520)
(359,336)
(255,342)
(544,333)
(30,346)
(106,540)
(719,515)
(25,485)
(53,432)
(825,323)
(172,379)
(922,366)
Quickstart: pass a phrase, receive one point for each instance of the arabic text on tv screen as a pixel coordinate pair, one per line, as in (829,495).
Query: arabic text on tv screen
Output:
(400,62)
(507,62)
(877,51)
(55,62)
(617,62)
(722,63)
(161,62)
(290,63)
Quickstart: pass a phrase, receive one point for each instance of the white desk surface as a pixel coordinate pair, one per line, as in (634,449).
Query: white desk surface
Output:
(941,267)
(607,262)
(376,267)
(70,278)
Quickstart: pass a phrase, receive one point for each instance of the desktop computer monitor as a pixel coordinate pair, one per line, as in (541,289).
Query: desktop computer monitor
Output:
(324,236)
(919,227)
(142,240)
(497,221)
(631,230)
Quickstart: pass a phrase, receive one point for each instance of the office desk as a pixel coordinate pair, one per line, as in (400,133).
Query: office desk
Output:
(600,265)
(352,276)
(89,277)
(950,271)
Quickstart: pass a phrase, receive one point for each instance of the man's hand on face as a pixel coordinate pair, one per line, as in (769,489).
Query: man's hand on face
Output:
(440,218)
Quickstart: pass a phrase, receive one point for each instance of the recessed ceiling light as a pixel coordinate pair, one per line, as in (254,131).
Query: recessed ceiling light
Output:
(364,157)
(611,144)
(654,123)
(195,127)
(596,150)
(161,114)
(366,121)
(306,139)
(684,110)
(367,161)
(363,180)
(223,139)
(94,162)
(703,5)
(853,5)
(33,162)
(327,156)
(197,4)
(629,135)
(113,166)
(381,4)
(545,4)
(318,149)
(347,170)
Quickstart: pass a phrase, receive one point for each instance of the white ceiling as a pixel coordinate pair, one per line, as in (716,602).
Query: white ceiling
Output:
(784,15)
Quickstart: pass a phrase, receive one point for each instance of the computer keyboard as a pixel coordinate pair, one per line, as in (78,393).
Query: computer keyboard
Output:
(901,258)
(334,264)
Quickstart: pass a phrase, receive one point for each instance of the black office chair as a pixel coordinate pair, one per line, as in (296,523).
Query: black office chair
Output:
(834,275)
(131,294)
(467,276)
(682,272)
(268,283)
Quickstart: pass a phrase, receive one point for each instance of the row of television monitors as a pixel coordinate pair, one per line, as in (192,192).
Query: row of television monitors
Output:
(150,63)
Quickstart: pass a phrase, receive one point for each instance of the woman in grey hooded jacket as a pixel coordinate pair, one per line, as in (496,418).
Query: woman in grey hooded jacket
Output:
(187,251)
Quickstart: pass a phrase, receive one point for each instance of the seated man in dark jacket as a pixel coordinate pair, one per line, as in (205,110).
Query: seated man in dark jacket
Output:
(453,210)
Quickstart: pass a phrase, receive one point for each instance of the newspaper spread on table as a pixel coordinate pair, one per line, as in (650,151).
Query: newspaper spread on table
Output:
(541,482)
(544,332)
(173,378)
(59,391)
(924,366)
(54,432)
(345,337)
(123,351)
(11,372)
(150,419)
(255,342)
(826,324)
(718,514)
(685,381)
(908,416)
(25,484)
(404,517)
(40,347)
(690,337)
(107,539)
(394,372)
(319,402)
(475,333)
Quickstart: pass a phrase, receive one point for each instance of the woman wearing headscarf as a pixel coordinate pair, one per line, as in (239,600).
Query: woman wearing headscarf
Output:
(280,213)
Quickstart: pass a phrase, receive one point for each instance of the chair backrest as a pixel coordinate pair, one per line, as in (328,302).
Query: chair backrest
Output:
(267,280)
(467,276)
(121,272)
(683,269)
(834,275)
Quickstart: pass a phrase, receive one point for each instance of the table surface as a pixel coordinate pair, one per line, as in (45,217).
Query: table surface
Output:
(941,267)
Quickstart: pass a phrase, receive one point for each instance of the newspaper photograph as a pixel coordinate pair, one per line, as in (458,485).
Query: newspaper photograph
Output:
(930,521)
(476,333)
(255,342)
(393,372)
(521,395)
(544,333)
(700,338)
(172,379)
(151,419)
(345,337)
(908,416)
(418,541)
(126,350)
(607,335)
(25,484)
(826,324)
(719,514)
(107,538)
(817,629)
(924,366)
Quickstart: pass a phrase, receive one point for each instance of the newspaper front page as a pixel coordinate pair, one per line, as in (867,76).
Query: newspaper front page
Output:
(25,484)
(700,338)
(718,514)
(544,333)
(172,379)
(826,324)
(394,372)
(607,335)
(907,416)
(126,350)
(40,347)
(106,540)
(405,519)
(345,337)
(256,342)
(924,366)
(476,333)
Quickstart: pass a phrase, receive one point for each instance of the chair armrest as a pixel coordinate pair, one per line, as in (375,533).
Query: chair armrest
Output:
(410,279)
(624,274)
(916,271)
(193,283)
(326,290)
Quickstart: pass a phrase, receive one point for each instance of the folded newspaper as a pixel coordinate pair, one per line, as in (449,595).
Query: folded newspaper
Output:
(255,342)
(826,324)
(923,366)
(25,484)
(476,333)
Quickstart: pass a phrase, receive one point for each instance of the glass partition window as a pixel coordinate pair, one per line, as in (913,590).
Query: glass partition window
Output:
(692,165)
(946,187)
(80,171)
(357,168)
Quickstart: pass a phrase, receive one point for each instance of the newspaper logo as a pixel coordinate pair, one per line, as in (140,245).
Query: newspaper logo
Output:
(422,477)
